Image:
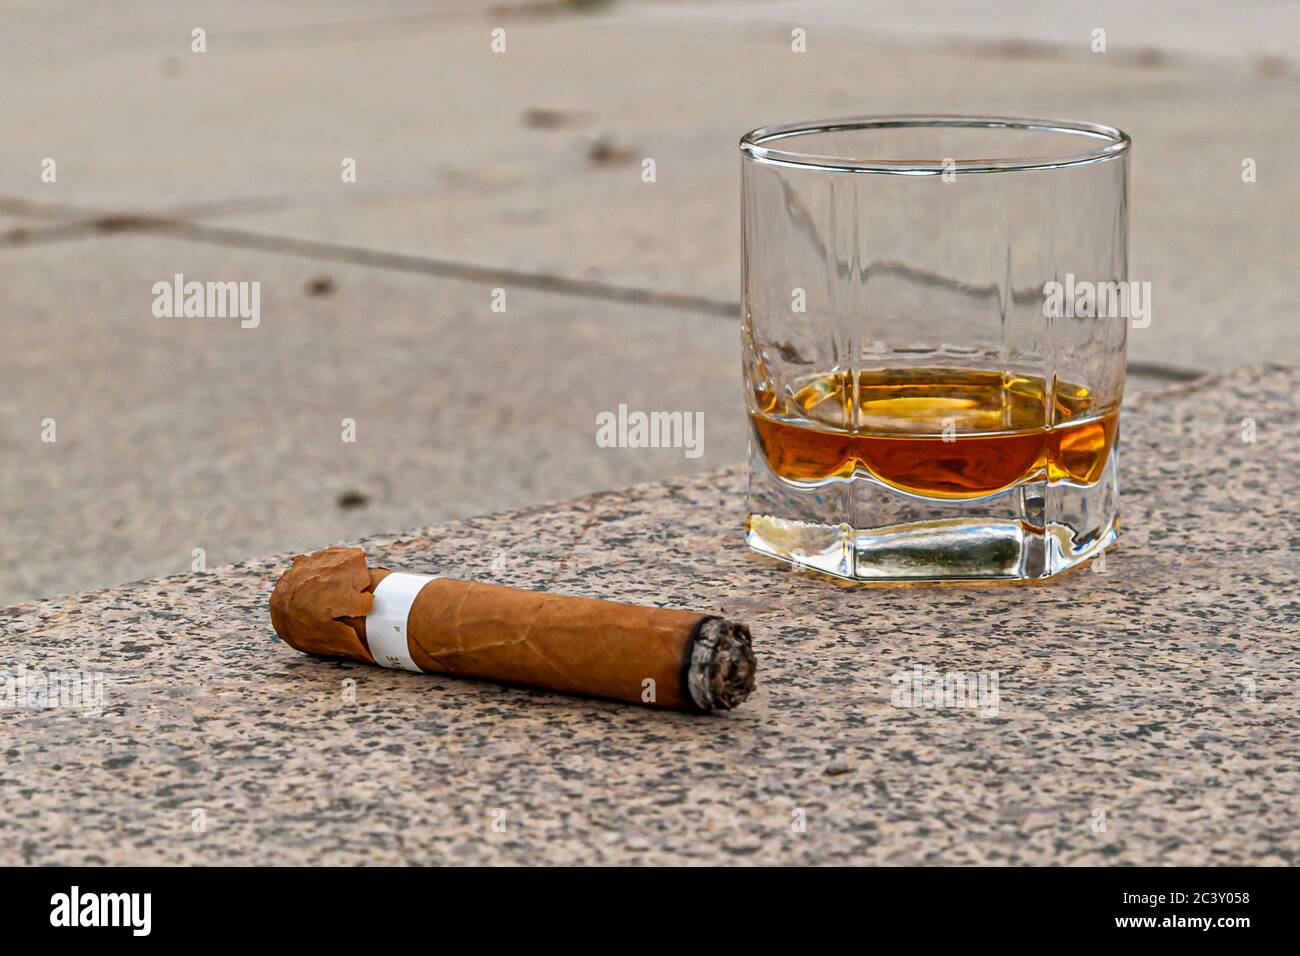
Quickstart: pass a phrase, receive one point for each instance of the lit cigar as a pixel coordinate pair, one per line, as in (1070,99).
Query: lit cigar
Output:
(333,605)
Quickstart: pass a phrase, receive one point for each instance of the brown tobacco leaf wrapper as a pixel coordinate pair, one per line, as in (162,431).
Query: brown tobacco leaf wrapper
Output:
(489,632)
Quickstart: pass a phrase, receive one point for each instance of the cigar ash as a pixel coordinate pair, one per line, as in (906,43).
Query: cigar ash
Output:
(721,671)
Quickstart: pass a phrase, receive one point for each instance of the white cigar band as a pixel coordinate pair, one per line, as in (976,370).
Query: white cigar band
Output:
(386,622)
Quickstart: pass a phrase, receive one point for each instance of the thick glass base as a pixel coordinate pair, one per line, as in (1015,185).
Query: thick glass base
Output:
(863,530)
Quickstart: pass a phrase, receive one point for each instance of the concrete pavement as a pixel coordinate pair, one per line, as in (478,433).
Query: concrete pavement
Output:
(518,170)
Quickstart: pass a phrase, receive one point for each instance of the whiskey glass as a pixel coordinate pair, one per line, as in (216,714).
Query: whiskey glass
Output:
(921,405)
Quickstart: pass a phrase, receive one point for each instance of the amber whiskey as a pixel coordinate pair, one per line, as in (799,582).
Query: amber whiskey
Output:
(934,432)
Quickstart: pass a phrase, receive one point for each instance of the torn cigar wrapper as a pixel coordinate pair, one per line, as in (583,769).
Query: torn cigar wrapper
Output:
(332,604)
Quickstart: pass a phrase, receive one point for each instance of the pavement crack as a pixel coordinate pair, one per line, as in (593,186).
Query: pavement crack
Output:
(177,223)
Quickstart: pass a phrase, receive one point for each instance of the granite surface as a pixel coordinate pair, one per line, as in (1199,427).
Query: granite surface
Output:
(1146,709)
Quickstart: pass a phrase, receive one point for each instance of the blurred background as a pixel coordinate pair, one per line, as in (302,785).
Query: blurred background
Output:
(458,251)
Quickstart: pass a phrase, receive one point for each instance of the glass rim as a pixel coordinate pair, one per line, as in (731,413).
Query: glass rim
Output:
(752,144)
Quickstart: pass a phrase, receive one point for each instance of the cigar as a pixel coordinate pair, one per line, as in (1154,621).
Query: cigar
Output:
(332,604)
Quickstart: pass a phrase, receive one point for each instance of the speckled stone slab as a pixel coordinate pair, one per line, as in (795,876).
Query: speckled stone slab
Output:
(1146,711)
